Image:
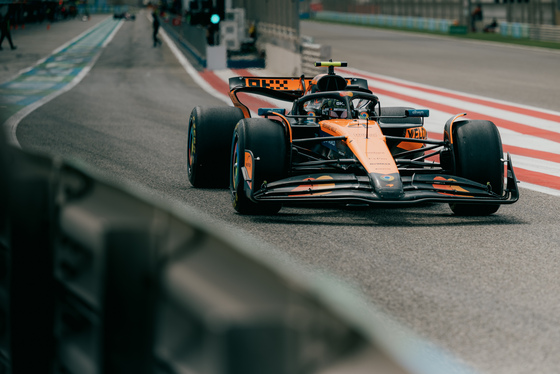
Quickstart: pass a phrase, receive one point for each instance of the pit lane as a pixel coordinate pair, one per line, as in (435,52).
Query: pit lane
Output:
(483,288)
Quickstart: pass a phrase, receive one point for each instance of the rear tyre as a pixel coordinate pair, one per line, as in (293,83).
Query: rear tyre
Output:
(267,142)
(477,151)
(208,145)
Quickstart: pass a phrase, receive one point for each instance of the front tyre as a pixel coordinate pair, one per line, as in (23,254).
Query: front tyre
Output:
(478,153)
(258,156)
(208,145)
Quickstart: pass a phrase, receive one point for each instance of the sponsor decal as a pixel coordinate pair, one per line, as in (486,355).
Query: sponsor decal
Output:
(387,178)
(328,126)
(273,84)
(311,187)
(346,93)
(413,133)
(448,187)
(416,133)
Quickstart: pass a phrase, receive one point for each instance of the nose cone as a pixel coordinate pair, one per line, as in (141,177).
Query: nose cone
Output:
(387,186)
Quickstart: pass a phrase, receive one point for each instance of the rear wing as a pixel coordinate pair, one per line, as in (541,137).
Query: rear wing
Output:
(289,85)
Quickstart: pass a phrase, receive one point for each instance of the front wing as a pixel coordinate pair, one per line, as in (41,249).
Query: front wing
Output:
(418,188)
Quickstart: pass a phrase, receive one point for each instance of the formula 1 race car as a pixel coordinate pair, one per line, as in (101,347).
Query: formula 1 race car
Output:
(337,144)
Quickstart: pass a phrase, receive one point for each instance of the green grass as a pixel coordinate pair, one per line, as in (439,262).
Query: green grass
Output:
(490,37)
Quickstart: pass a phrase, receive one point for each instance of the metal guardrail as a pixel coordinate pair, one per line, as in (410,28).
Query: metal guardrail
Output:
(536,12)
(515,30)
(415,23)
(99,277)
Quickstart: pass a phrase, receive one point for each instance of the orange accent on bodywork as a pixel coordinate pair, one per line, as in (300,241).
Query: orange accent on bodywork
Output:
(372,151)
(413,133)
(313,187)
(239,104)
(286,124)
(451,126)
(446,187)
(277,84)
(249,168)
(284,84)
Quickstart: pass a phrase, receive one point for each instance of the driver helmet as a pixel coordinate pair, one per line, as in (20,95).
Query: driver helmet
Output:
(334,108)
(313,107)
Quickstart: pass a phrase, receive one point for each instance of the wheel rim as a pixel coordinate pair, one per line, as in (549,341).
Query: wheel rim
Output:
(234,166)
(191,148)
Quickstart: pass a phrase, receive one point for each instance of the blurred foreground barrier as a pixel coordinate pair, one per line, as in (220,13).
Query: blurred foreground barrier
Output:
(98,277)
(27,285)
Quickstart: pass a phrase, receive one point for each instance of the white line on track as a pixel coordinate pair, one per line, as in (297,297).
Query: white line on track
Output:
(536,164)
(536,187)
(468,106)
(191,70)
(447,91)
(12,122)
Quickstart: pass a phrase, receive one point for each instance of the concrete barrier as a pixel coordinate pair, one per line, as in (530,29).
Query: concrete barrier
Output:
(311,52)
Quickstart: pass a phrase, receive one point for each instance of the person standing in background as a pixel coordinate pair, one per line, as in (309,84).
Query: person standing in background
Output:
(476,18)
(155,25)
(5,28)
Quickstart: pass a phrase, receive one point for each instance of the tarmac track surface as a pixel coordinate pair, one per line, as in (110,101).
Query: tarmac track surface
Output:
(485,289)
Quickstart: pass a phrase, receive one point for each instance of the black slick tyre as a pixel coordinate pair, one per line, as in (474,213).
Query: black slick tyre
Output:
(477,153)
(208,145)
(266,141)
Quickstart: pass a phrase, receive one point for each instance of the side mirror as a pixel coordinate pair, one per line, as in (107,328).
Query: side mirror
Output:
(271,111)
(417,113)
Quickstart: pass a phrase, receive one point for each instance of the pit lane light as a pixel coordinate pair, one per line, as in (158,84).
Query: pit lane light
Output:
(215,18)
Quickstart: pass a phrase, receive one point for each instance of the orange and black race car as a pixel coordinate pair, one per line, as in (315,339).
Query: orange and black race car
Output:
(338,144)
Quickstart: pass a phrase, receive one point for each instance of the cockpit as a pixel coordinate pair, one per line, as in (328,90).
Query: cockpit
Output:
(336,105)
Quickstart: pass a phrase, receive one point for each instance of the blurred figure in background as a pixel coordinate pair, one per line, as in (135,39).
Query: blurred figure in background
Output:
(491,27)
(155,26)
(476,18)
(5,27)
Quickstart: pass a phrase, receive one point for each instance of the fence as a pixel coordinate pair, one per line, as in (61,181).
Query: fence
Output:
(515,30)
(536,12)
(417,23)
